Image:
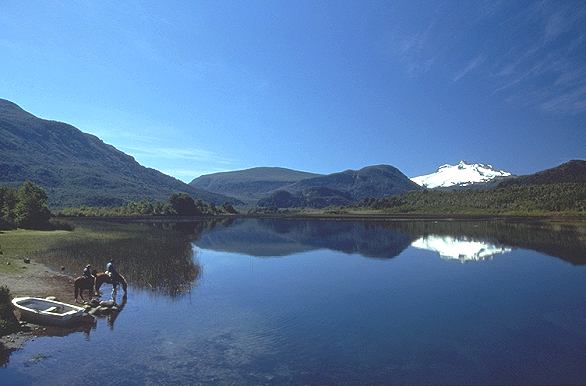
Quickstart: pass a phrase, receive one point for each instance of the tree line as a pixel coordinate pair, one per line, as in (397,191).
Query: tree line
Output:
(566,198)
(178,204)
(24,207)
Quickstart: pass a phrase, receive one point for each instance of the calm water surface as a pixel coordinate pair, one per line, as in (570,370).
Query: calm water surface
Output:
(329,302)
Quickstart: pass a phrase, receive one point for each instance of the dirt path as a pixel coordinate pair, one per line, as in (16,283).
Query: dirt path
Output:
(40,281)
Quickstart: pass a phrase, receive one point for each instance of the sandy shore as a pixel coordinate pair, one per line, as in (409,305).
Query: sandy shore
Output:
(40,281)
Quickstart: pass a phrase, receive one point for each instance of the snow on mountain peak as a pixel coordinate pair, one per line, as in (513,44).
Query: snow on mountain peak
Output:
(461,174)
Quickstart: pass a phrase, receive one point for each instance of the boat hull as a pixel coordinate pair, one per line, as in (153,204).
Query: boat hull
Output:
(50,312)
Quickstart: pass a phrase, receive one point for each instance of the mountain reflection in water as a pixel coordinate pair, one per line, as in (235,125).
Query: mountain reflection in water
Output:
(280,237)
(387,239)
(271,320)
(158,255)
(462,249)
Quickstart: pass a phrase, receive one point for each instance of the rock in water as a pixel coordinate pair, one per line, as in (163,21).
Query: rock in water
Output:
(107,303)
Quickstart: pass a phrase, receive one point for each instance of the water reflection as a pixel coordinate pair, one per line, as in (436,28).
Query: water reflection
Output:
(342,312)
(460,248)
(159,256)
(280,237)
(53,331)
(387,239)
(112,316)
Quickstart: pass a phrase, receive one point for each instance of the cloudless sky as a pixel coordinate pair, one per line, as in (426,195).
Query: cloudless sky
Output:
(194,87)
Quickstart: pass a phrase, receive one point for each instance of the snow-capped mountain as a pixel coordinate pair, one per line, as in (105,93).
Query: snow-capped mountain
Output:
(462,249)
(462,174)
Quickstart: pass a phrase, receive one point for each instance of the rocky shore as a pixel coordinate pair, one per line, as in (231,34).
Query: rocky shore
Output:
(40,281)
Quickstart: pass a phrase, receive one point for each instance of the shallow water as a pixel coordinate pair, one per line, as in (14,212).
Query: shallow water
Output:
(336,302)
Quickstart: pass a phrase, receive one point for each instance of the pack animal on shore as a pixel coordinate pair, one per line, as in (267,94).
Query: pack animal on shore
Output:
(93,284)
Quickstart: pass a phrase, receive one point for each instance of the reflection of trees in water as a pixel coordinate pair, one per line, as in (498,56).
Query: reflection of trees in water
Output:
(386,239)
(153,256)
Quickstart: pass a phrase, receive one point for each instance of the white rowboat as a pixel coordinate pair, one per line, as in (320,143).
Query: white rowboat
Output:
(51,312)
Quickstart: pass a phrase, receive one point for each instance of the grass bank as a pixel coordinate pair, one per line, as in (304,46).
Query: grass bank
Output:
(16,245)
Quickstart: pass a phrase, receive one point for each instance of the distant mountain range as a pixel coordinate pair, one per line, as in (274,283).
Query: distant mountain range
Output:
(342,188)
(250,185)
(286,188)
(461,175)
(559,190)
(76,168)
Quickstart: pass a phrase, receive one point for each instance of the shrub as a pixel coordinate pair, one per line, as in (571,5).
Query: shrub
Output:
(8,322)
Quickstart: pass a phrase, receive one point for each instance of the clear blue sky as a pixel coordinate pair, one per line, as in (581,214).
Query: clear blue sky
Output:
(196,87)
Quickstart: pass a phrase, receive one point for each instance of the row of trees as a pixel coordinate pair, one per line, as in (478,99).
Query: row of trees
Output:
(179,204)
(25,207)
(567,198)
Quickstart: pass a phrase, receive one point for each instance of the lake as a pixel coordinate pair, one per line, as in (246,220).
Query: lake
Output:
(279,301)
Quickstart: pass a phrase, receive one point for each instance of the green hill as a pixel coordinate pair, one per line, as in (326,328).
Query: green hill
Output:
(569,172)
(370,181)
(342,188)
(250,184)
(308,198)
(76,168)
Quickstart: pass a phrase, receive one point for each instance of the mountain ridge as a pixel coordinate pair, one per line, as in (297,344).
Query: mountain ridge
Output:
(341,188)
(358,183)
(77,168)
(251,184)
(573,171)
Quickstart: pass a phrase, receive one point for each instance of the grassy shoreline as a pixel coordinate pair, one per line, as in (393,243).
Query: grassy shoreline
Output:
(18,244)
